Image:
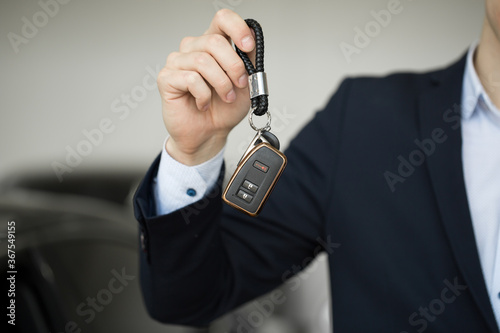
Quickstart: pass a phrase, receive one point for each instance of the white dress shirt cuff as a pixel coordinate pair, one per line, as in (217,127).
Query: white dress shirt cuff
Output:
(178,185)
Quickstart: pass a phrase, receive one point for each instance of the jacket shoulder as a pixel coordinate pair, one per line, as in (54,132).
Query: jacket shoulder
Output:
(403,83)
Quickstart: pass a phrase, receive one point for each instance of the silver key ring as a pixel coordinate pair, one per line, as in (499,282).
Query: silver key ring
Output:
(267,127)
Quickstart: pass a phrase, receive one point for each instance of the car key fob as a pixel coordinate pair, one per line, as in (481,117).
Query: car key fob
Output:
(256,174)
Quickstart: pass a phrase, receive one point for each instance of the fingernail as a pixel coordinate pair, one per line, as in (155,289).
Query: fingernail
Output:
(243,80)
(205,107)
(247,43)
(231,96)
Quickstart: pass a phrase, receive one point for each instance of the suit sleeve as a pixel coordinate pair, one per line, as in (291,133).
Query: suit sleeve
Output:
(203,260)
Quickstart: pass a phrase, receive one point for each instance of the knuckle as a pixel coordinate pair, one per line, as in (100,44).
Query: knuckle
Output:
(237,67)
(185,42)
(222,14)
(201,59)
(191,77)
(216,40)
(204,96)
(163,76)
(171,58)
(225,84)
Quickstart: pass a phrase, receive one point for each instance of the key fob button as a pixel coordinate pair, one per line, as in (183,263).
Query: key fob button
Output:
(261,166)
(245,196)
(250,186)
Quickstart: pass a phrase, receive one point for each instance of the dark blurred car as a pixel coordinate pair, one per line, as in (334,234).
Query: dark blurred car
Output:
(76,254)
(76,258)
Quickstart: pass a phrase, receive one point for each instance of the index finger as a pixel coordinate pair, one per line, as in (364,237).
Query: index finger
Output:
(231,25)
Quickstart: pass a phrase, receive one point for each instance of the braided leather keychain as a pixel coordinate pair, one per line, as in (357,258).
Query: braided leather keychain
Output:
(262,163)
(257,76)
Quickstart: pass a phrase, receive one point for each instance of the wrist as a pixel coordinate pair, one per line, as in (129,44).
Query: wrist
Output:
(196,156)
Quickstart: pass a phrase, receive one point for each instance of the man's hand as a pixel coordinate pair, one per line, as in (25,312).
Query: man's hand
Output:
(204,89)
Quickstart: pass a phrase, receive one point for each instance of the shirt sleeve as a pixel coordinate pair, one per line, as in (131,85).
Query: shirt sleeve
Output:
(178,185)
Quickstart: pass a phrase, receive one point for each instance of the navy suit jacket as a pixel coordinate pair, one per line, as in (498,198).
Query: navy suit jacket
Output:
(376,180)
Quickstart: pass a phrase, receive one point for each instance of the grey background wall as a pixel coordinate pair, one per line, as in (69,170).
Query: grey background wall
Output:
(78,78)
(72,70)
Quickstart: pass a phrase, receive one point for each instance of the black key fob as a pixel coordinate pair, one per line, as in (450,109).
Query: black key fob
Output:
(256,174)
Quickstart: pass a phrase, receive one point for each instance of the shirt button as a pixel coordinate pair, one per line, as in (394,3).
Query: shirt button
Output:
(143,245)
(191,192)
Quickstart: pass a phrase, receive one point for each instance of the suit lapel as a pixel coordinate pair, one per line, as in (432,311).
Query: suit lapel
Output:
(439,109)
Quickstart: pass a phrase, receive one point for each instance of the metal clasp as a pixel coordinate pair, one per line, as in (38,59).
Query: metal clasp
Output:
(257,83)
(255,141)
(267,127)
(260,137)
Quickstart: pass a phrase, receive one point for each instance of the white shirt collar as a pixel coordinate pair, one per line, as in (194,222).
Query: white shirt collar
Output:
(473,91)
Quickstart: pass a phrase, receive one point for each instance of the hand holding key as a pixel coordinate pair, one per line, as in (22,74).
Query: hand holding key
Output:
(204,89)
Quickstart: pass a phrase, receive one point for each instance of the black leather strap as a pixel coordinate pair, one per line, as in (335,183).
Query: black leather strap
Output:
(259,103)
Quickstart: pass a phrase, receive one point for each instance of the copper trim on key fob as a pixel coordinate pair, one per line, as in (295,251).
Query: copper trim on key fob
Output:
(255,178)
